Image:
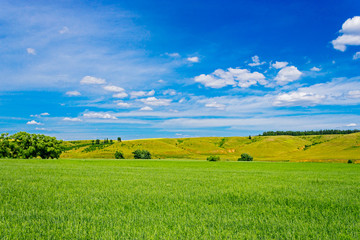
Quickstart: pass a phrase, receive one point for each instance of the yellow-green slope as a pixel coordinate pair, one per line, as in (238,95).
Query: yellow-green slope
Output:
(277,148)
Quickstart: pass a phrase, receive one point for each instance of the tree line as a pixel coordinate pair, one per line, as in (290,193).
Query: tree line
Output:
(303,133)
(26,145)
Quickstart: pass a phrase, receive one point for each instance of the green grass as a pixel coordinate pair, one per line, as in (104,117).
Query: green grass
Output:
(339,148)
(154,199)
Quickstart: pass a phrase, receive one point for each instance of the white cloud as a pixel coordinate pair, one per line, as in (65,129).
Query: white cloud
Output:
(193,59)
(33,122)
(112,88)
(351,125)
(287,74)
(153,101)
(45,114)
(256,61)
(99,115)
(72,119)
(92,80)
(170,92)
(315,69)
(354,93)
(279,65)
(136,94)
(336,92)
(174,55)
(123,105)
(31,51)
(120,95)
(64,30)
(146,108)
(350,34)
(233,76)
(215,105)
(73,93)
(356,56)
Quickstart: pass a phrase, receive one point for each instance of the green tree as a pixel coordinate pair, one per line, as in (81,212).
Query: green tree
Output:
(213,158)
(142,154)
(119,139)
(245,157)
(119,155)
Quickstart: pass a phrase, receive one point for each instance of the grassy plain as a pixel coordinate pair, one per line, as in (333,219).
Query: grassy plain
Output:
(339,148)
(157,199)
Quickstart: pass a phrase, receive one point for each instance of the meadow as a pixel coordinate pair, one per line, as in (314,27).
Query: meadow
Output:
(313,148)
(172,199)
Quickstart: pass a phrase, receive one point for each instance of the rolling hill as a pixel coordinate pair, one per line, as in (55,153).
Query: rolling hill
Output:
(263,148)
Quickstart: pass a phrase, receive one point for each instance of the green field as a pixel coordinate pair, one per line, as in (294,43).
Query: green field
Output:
(164,199)
(335,148)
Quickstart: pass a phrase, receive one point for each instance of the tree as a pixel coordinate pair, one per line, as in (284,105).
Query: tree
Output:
(97,141)
(26,145)
(119,139)
(249,136)
(142,154)
(213,158)
(245,157)
(119,155)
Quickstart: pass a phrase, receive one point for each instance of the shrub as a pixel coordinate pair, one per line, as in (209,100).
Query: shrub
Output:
(350,161)
(142,154)
(213,158)
(119,155)
(245,157)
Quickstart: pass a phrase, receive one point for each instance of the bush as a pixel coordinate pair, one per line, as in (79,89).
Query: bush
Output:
(213,158)
(245,157)
(119,155)
(350,161)
(142,154)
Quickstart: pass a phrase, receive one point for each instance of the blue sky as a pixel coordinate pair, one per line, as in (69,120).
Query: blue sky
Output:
(149,69)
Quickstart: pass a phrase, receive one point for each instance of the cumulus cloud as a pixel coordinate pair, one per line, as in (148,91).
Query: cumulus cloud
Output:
(31,51)
(256,61)
(123,105)
(356,56)
(350,34)
(99,115)
(112,88)
(64,30)
(315,69)
(193,59)
(33,122)
(336,92)
(287,74)
(279,65)
(351,125)
(146,108)
(233,77)
(136,94)
(92,80)
(153,101)
(170,92)
(73,93)
(120,95)
(215,105)
(72,119)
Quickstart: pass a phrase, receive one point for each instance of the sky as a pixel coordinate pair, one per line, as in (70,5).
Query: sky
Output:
(152,69)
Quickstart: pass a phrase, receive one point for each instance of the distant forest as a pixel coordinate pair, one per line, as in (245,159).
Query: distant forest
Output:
(303,133)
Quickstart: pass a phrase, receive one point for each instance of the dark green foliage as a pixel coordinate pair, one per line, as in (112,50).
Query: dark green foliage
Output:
(350,161)
(119,139)
(245,157)
(97,146)
(119,155)
(142,154)
(302,133)
(97,141)
(213,158)
(222,142)
(111,141)
(249,136)
(26,145)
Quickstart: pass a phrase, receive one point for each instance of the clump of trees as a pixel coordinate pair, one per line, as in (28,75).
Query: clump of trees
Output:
(213,158)
(142,154)
(26,145)
(119,155)
(245,157)
(303,133)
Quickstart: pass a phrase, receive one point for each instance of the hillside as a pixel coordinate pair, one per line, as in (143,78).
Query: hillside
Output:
(265,148)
